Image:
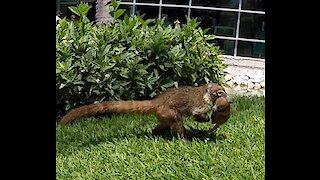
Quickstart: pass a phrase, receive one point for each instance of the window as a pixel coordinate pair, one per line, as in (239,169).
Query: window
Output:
(128,8)
(238,24)
(172,14)
(220,23)
(148,12)
(227,46)
(251,49)
(257,5)
(184,2)
(147,1)
(252,26)
(217,3)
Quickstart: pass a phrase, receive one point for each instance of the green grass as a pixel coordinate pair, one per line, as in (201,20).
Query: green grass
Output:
(123,148)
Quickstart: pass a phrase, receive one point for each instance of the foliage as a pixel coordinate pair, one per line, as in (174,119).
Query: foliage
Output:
(115,12)
(129,58)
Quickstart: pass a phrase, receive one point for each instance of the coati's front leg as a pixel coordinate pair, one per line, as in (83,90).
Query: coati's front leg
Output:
(169,118)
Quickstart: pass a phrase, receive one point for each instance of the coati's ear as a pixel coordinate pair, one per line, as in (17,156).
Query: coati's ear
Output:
(215,90)
(209,88)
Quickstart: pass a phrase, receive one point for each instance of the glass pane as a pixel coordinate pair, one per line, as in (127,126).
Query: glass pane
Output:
(220,23)
(148,12)
(217,3)
(251,49)
(128,8)
(227,46)
(183,2)
(126,0)
(57,7)
(258,5)
(148,1)
(252,26)
(173,14)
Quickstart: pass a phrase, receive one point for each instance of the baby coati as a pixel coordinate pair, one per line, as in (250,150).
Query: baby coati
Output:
(169,107)
(219,114)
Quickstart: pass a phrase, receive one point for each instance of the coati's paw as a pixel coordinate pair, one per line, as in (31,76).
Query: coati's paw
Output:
(162,132)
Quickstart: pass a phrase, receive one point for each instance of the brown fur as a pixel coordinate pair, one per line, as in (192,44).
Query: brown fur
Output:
(169,107)
(222,114)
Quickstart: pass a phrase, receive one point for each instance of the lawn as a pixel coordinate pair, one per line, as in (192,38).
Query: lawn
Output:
(121,147)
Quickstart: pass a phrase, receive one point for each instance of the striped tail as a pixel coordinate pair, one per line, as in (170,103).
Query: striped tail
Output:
(142,107)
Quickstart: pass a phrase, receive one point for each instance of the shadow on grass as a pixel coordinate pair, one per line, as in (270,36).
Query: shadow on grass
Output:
(191,134)
(93,138)
(196,134)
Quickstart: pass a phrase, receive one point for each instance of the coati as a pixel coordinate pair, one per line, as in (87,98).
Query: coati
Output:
(169,107)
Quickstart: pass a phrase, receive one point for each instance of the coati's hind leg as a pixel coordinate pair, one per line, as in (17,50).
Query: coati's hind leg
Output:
(169,118)
(160,129)
(178,129)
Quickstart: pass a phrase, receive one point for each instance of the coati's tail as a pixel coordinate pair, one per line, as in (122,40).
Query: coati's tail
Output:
(108,107)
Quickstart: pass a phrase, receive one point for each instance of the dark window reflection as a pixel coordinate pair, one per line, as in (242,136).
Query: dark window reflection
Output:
(251,49)
(217,3)
(92,12)
(148,1)
(126,0)
(252,26)
(57,6)
(69,1)
(173,14)
(227,46)
(183,2)
(128,8)
(258,5)
(220,23)
(148,12)
(65,12)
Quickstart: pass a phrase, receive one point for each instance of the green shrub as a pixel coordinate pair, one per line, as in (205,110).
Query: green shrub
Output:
(129,58)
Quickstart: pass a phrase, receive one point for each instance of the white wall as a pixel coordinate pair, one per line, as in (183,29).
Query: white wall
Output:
(245,75)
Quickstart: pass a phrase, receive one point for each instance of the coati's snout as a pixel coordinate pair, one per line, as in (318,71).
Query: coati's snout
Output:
(229,99)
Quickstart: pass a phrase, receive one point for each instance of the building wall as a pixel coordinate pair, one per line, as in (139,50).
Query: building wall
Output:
(244,75)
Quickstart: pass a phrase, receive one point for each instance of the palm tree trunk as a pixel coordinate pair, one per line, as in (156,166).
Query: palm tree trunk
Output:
(102,12)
